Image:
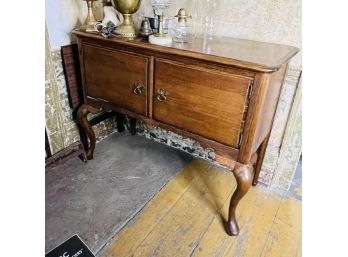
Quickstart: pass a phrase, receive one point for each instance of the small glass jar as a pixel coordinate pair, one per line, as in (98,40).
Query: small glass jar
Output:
(183,28)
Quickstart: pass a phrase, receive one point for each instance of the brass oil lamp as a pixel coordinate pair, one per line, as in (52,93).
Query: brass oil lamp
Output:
(183,29)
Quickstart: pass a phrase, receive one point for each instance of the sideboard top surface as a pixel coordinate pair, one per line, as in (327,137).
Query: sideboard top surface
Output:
(248,54)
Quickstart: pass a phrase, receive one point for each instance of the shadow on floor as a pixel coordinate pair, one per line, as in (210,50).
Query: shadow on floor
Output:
(96,199)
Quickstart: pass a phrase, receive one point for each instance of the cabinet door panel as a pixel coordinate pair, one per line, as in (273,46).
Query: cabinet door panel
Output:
(205,102)
(112,76)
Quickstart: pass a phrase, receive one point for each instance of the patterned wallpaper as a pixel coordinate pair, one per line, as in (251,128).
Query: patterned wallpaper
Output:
(291,149)
(61,127)
(276,21)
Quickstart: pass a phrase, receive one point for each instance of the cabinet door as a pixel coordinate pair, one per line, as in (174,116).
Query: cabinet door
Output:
(116,77)
(205,102)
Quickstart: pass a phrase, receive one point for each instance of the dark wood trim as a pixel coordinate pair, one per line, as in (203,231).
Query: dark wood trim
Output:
(120,118)
(72,72)
(150,87)
(106,115)
(74,150)
(47,146)
(132,126)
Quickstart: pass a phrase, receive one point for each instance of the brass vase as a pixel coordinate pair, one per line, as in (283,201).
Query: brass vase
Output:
(126,8)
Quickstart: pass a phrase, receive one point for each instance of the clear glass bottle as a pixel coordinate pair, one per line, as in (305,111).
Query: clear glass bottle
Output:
(203,17)
(183,29)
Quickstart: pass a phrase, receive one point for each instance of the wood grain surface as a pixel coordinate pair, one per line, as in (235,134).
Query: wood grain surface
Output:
(111,76)
(187,218)
(253,55)
(205,102)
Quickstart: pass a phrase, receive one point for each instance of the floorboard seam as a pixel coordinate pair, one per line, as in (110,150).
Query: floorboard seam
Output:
(201,236)
(229,197)
(270,229)
(212,220)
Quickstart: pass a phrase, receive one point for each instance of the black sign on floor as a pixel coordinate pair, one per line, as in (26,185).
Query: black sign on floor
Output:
(73,247)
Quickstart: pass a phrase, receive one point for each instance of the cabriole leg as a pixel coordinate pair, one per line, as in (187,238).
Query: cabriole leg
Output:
(244,176)
(82,118)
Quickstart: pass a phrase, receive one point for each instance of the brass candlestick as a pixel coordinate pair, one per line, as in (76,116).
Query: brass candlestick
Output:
(159,6)
(160,26)
(126,8)
(90,21)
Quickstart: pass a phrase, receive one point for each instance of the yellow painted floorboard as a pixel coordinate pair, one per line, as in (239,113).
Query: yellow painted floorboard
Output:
(186,219)
(284,238)
(132,236)
(255,221)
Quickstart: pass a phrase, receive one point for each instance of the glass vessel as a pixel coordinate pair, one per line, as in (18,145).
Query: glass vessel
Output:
(183,28)
(203,17)
(159,7)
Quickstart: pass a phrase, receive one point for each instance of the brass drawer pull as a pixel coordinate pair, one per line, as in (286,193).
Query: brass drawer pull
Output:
(161,95)
(138,88)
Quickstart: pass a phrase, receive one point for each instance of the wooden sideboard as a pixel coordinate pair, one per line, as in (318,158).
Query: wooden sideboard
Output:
(222,93)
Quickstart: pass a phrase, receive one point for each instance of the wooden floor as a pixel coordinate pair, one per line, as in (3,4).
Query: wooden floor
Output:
(186,219)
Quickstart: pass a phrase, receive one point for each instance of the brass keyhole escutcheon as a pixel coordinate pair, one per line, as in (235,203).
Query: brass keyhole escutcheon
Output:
(138,88)
(161,95)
